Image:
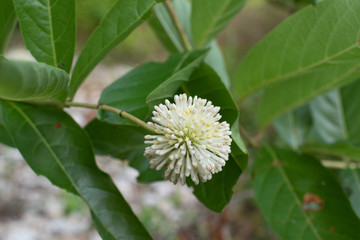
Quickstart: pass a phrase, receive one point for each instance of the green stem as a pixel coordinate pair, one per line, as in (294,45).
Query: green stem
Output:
(178,25)
(117,111)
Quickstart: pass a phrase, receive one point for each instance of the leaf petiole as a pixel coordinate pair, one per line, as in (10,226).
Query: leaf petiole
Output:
(117,111)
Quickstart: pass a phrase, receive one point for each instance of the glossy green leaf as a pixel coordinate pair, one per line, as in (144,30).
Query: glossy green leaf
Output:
(49,30)
(123,142)
(119,22)
(166,31)
(314,49)
(7,23)
(294,127)
(225,180)
(4,136)
(216,193)
(340,150)
(300,199)
(350,179)
(209,17)
(147,85)
(22,81)
(56,147)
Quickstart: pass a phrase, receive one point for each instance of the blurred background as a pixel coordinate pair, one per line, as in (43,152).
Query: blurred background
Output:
(32,209)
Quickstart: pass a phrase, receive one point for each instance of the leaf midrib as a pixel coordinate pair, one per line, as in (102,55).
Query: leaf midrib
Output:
(292,191)
(43,139)
(310,96)
(264,84)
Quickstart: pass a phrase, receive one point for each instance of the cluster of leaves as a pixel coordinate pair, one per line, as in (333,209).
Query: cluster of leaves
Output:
(33,95)
(311,53)
(314,51)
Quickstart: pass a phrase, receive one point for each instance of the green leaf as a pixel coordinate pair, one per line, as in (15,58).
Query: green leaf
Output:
(216,60)
(168,34)
(4,136)
(147,85)
(164,27)
(276,101)
(119,22)
(314,49)
(216,193)
(24,81)
(225,180)
(123,142)
(350,179)
(56,147)
(49,30)
(340,150)
(209,17)
(336,114)
(300,199)
(295,126)
(7,23)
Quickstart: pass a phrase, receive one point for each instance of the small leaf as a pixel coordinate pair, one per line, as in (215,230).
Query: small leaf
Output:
(300,199)
(123,142)
(7,23)
(147,85)
(314,50)
(119,22)
(351,182)
(209,17)
(56,147)
(24,81)
(49,30)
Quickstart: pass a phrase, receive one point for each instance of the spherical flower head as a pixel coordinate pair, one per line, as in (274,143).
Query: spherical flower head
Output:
(189,139)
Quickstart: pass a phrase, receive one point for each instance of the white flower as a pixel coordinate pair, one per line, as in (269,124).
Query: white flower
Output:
(189,141)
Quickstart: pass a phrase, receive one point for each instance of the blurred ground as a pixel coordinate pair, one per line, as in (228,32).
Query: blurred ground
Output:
(32,209)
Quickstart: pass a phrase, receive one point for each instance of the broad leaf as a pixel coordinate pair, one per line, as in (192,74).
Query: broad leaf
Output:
(225,180)
(49,30)
(209,17)
(22,81)
(166,31)
(300,199)
(119,22)
(123,142)
(294,127)
(308,44)
(303,57)
(147,85)
(336,120)
(7,22)
(217,192)
(351,182)
(56,147)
